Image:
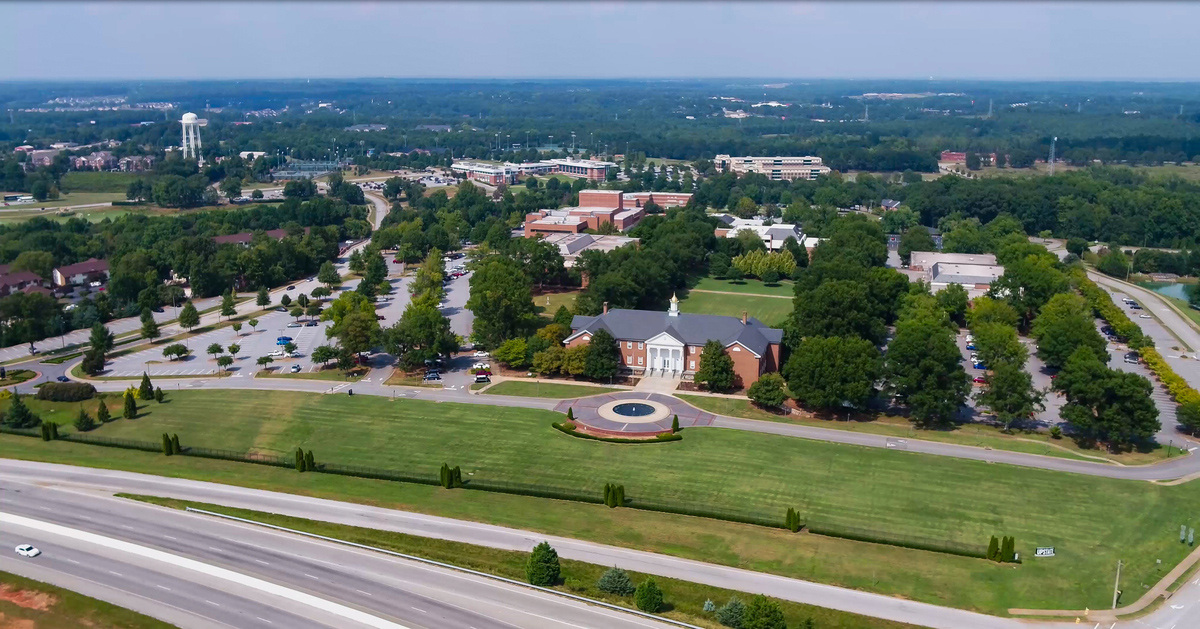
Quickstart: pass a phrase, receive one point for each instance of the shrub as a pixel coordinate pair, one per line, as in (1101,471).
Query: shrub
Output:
(732,613)
(616,581)
(993,551)
(130,409)
(709,606)
(647,597)
(767,391)
(310,464)
(543,568)
(145,389)
(66,391)
(175,444)
(19,415)
(84,422)
(1056,432)
(158,395)
(570,414)
(792,520)
(166,445)
(299,460)
(102,414)
(675,424)
(763,613)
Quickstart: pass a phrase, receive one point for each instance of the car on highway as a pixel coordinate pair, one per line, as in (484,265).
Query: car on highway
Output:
(292,287)
(63,379)
(25,550)
(1144,316)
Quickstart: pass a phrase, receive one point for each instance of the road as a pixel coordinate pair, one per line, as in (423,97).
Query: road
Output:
(198,571)
(66,495)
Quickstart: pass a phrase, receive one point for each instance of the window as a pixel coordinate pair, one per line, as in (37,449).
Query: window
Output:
(692,349)
(639,345)
(639,360)
(628,344)
(629,360)
(737,349)
(692,365)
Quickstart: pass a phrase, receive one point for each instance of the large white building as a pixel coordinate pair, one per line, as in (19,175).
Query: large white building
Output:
(973,271)
(776,168)
(772,235)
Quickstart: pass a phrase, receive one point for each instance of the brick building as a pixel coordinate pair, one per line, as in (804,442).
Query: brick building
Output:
(575,220)
(669,343)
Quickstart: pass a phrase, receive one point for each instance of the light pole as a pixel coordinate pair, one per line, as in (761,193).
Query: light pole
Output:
(1117,585)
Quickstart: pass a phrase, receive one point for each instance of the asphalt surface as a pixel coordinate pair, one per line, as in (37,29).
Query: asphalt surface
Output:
(199,571)
(67,495)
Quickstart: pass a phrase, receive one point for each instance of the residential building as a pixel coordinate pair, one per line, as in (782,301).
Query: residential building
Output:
(81,273)
(11,282)
(244,238)
(772,235)
(43,157)
(97,160)
(572,245)
(136,163)
(670,343)
(889,204)
(775,168)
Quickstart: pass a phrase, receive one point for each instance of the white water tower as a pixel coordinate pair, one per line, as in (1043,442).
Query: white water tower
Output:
(191,135)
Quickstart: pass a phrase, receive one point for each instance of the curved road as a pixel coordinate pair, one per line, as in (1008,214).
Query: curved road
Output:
(200,571)
(67,495)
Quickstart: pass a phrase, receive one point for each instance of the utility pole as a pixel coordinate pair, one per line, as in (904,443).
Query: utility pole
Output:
(1116,591)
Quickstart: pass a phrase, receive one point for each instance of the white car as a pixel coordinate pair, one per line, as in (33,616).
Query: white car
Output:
(294,355)
(481,354)
(1144,316)
(25,550)
(276,354)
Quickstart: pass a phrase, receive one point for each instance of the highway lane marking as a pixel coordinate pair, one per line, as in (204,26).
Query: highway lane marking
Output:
(117,574)
(212,603)
(264,620)
(362,592)
(126,526)
(418,609)
(262,562)
(185,563)
(174,539)
(312,576)
(73,561)
(215,548)
(162,587)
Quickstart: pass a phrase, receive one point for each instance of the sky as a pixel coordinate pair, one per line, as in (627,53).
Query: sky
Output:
(869,40)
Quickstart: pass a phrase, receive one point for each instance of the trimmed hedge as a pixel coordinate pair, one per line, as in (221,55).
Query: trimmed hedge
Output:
(66,391)
(569,428)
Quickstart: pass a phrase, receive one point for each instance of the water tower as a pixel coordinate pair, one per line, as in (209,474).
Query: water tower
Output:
(191,135)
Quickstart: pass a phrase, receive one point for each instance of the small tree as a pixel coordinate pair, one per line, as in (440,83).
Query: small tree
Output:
(166,445)
(716,368)
(647,597)
(102,414)
(262,300)
(253,323)
(233,349)
(228,308)
(310,463)
(570,414)
(792,520)
(215,349)
(763,613)
(263,361)
(149,325)
(543,568)
(145,390)
(84,422)
(130,410)
(19,415)
(731,614)
(767,391)
(189,317)
(993,550)
(224,362)
(675,424)
(616,581)
(237,329)
(285,301)
(299,460)
(175,444)
(158,394)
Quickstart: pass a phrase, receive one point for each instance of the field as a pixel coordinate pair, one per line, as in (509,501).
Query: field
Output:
(549,303)
(772,311)
(546,389)
(1090,521)
(98,181)
(747,286)
(686,599)
(48,607)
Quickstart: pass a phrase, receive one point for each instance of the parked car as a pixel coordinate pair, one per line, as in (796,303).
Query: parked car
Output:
(1131,358)
(1144,316)
(482,378)
(157,309)
(380,317)
(979,366)
(276,354)
(295,354)
(971,345)
(433,377)
(481,354)
(311,324)
(295,369)
(291,287)
(980,380)
(25,550)
(280,309)
(294,324)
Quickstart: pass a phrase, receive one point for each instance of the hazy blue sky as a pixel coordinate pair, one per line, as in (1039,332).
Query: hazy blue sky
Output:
(1000,40)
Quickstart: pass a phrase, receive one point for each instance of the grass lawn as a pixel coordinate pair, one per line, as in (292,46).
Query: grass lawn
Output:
(44,606)
(17,376)
(549,303)
(686,599)
(546,389)
(1090,521)
(747,286)
(98,181)
(978,435)
(401,379)
(332,374)
(772,311)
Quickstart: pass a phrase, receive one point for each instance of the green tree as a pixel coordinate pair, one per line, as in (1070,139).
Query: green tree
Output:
(647,597)
(253,323)
(1009,393)
(502,302)
(1029,283)
(767,391)
(988,310)
(19,415)
(358,332)
(145,389)
(228,308)
(189,317)
(542,568)
(84,422)
(1189,416)
(215,349)
(616,581)
(263,361)
(563,317)
(40,263)
(158,395)
(953,299)
(223,362)
(234,348)
(263,299)
(1114,263)
(1105,404)
(1063,325)
(899,220)
(231,187)
(732,613)
(838,308)
(915,239)
(101,339)
(1077,246)
(102,414)
(716,368)
(130,409)
(834,372)
(512,352)
(237,329)
(422,333)
(324,353)
(328,275)
(924,370)
(763,613)
(604,356)
(149,325)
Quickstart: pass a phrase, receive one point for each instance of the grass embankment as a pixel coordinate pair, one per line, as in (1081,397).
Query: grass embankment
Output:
(332,375)
(98,181)
(549,303)
(29,604)
(746,286)
(772,310)
(685,599)
(1091,521)
(978,435)
(546,389)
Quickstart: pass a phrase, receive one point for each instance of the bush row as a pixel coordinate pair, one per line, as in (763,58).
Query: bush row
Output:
(1176,385)
(66,391)
(569,428)
(1104,307)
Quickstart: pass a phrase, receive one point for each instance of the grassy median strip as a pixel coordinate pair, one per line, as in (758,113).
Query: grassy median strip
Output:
(546,389)
(33,604)
(684,599)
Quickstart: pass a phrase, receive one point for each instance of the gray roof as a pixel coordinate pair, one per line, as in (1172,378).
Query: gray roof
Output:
(690,329)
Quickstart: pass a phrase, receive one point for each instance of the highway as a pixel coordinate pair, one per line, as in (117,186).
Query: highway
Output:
(197,571)
(66,495)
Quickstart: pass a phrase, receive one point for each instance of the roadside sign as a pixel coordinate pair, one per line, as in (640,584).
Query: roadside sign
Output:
(1044,551)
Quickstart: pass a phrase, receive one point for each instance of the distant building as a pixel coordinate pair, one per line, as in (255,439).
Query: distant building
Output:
(98,160)
(579,219)
(244,238)
(775,168)
(772,236)
(591,169)
(627,200)
(136,163)
(571,245)
(889,204)
(251,155)
(367,127)
(491,174)
(81,273)
(43,157)
(670,343)
(12,282)
(509,173)
(974,272)
(434,127)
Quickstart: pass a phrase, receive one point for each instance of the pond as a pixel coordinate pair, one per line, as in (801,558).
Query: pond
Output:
(1170,289)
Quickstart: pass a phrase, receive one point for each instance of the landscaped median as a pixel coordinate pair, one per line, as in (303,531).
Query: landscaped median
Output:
(521,388)
(685,601)
(512,461)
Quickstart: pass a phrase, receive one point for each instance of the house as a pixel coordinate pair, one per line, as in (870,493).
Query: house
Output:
(669,343)
(97,160)
(772,235)
(82,273)
(889,204)
(17,281)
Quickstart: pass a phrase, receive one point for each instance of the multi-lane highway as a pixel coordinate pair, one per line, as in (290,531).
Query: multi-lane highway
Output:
(198,571)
